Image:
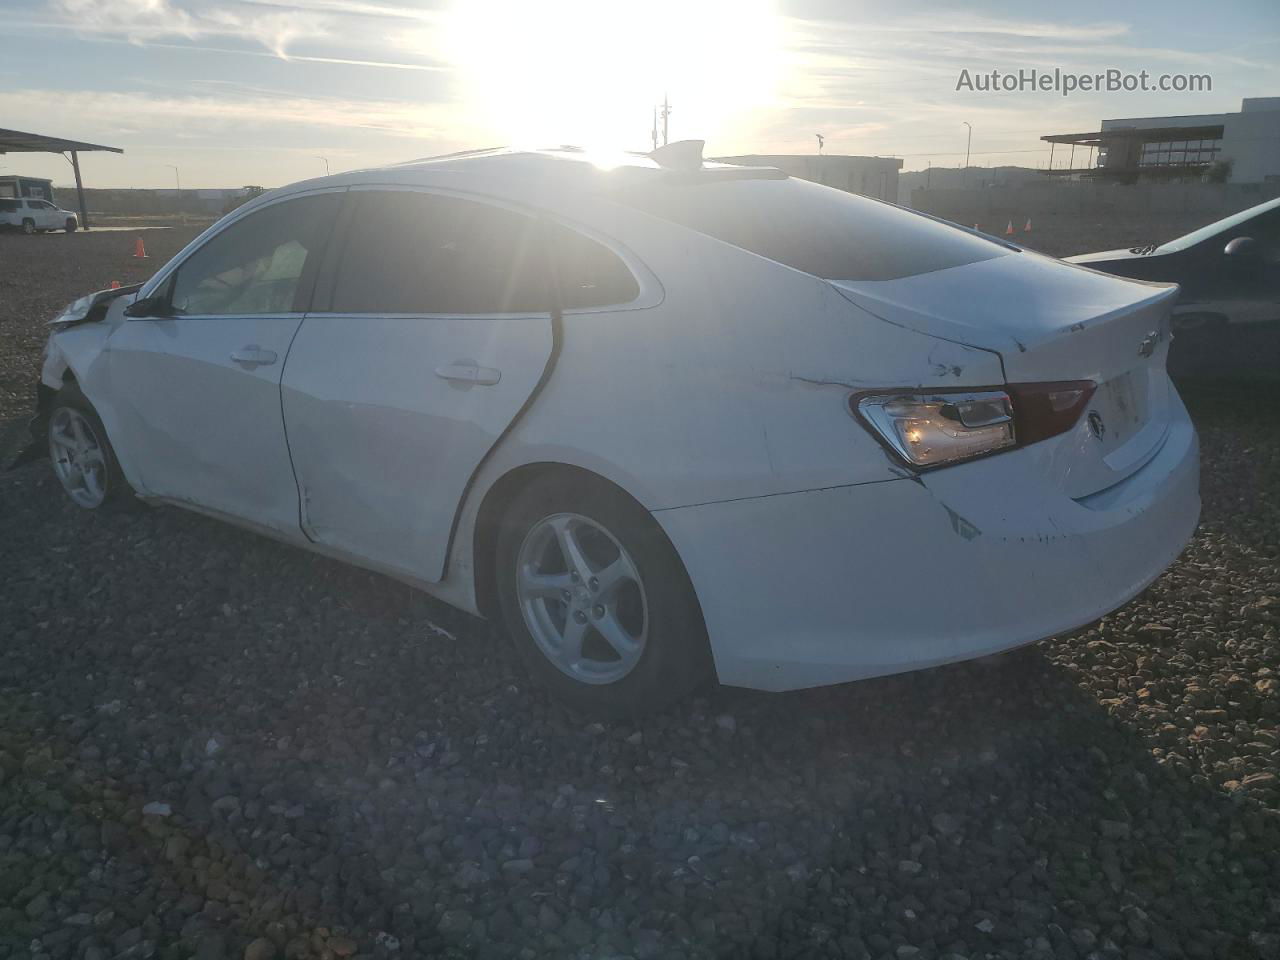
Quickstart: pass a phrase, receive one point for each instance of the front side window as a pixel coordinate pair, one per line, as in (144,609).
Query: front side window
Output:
(256,265)
(421,253)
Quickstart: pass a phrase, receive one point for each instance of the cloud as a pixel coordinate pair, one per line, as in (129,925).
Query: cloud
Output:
(244,118)
(353,8)
(143,21)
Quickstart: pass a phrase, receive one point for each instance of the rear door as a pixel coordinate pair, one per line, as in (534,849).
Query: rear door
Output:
(432,329)
(36,214)
(196,389)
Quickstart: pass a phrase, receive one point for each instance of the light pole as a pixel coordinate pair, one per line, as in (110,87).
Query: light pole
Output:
(968,142)
(177,181)
(326,164)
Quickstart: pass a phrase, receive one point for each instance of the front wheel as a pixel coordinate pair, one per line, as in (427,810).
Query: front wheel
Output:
(28,226)
(70,225)
(82,456)
(596,599)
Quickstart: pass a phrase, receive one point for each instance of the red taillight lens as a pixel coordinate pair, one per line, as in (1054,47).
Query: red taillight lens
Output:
(1044,410)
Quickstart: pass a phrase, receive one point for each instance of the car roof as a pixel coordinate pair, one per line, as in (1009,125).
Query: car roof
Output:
(539,177)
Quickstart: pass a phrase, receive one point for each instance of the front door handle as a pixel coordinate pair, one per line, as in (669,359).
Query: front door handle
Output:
(469,372)
(254,356)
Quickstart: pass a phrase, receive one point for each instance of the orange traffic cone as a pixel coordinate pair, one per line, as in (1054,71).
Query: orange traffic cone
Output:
(1027,228)
(115,284)
(1008,231)
(139,250)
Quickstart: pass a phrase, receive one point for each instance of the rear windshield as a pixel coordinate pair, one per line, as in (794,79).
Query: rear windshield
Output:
(820,230)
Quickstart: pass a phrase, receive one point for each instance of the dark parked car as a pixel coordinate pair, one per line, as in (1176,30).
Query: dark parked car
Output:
(1228,316)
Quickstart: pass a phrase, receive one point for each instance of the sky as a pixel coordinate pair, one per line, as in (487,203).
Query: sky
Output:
(235,92)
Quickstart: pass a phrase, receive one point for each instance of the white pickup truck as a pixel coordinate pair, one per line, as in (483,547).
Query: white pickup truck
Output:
(31,215)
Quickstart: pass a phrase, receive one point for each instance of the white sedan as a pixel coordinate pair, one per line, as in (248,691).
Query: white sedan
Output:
(665,419)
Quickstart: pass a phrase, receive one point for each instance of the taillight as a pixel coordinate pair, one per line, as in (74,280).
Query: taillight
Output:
(937,428)
(1044,410)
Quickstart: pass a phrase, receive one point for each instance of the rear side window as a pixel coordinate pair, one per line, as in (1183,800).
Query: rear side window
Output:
(410,252)
(591,275)
(825,232)
(256,265)
(8,206)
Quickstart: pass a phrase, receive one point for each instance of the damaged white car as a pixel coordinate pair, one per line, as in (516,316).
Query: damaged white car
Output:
(665,419)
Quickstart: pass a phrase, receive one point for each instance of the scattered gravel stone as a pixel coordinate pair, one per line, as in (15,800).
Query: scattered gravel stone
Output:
(455,924)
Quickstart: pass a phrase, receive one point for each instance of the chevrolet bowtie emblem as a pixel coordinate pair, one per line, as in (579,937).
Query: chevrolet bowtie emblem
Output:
(1148,345)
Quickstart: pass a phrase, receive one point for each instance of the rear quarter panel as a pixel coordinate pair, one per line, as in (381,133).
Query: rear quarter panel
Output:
(735,385)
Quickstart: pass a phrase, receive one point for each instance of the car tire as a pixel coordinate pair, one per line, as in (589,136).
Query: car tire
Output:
(71,225)
(28,226)
(650,605)
(83,459)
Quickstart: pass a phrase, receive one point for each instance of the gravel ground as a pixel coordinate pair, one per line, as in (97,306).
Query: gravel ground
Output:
(215,746)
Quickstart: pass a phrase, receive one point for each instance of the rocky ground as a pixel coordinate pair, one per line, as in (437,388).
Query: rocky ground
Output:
(215,746)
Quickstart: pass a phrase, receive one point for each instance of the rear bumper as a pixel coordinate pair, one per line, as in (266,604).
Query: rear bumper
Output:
(827,586)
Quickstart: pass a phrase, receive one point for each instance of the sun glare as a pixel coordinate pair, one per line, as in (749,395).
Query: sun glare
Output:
(589,73)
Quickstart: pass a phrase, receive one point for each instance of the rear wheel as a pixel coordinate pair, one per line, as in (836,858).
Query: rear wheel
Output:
(83,459)
(28,226)
(596,600)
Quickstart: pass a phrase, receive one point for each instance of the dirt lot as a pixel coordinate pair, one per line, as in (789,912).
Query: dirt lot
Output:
(215,746)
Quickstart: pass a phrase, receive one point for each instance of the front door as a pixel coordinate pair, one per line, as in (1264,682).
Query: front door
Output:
(197,386)
(432,330)
(43,213)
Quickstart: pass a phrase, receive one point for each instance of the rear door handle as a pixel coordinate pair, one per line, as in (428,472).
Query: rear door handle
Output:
(467,371)
(254,356)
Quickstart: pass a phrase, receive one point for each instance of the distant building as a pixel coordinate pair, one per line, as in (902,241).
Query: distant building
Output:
(34,187)
(1239,147)
(870,176)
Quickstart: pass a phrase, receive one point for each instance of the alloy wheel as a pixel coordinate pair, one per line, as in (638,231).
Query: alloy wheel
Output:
(582,598)
(79,459)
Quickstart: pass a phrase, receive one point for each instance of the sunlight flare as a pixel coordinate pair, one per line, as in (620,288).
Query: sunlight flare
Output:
(589,73)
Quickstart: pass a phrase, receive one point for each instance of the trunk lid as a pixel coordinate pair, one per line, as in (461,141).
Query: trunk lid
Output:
(1050,321)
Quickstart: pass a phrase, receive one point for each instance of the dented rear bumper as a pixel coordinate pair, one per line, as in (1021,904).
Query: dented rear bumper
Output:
(827,586)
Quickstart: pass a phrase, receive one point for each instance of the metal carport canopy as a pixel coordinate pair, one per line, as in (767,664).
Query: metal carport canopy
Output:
(15,141)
